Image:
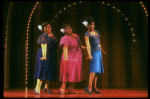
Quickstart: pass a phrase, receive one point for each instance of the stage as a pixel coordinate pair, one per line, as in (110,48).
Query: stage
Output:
(105,93)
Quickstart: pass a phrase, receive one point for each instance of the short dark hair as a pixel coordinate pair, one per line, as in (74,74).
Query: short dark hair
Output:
(90,19)
(66,25)
(45,24)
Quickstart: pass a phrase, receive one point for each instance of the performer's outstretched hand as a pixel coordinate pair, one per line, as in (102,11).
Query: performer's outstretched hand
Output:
(83,47)
(89,57)
(65,59)
(43,58)
(104,52)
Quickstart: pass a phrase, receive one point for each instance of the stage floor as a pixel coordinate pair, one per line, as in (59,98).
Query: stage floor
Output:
(105,93)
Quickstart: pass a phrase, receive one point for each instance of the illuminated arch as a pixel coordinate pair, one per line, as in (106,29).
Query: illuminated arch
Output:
(107,4)
(144,8)
(6,48)
(26,45)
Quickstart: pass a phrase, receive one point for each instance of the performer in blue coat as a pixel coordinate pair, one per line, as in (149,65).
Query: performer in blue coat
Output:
(46,60)
(94,48)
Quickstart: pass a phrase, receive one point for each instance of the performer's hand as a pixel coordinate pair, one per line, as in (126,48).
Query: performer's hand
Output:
(83,47)
(89,57)
(65,59)
(104,52)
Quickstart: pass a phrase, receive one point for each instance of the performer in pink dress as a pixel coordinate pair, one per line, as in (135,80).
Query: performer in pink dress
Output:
(71,69)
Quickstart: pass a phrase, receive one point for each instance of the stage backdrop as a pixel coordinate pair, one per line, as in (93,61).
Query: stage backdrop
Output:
(125,62)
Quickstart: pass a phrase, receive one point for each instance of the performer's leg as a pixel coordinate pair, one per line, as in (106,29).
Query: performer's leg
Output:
(40,83)
(91,81)
(95,81)
(72,84)
(38,86)
(47,83)
(63,86)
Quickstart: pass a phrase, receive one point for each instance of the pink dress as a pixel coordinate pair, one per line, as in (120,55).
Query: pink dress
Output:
(71,70)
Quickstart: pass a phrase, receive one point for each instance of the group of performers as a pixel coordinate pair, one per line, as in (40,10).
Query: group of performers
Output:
(71,69)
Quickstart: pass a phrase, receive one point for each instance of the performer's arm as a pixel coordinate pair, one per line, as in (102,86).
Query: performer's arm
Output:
(102,48)
(65,52)
(80,43)
(88,47)
(83,47)
(44,48)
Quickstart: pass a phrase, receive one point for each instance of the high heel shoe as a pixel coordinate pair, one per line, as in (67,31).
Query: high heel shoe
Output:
(87,90)
(61,91)
(93,89)
(49,91)
(36,92)
(71,91)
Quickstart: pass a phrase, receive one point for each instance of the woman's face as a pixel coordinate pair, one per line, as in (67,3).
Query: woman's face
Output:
(91,26)
(68,30)
(47,29)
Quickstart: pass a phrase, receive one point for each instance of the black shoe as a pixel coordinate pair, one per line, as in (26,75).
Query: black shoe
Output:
(93,89)
(87,90)
(49,91)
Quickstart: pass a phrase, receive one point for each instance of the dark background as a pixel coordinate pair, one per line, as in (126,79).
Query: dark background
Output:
(125,62)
